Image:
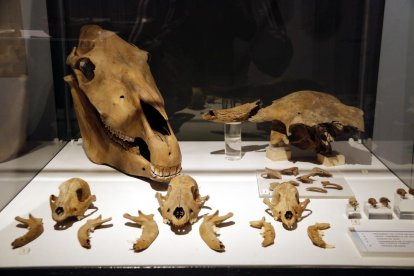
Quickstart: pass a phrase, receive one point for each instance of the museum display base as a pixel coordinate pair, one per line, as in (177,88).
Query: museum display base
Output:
(232,187)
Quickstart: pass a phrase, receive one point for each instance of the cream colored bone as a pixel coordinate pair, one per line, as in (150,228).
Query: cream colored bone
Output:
(314,172)
(315,233)
(119,109)
(239,113)
(277,174)
(209,231)
(74,199)
(35,229)
(89,227)
(285,205)
(353,202)
(182,203)
(330,185)
(266,230)
(309,120)
(149,230)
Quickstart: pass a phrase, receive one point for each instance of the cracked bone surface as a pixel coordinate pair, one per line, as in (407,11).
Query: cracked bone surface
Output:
(315,234)
(149,230)
(182,203)
(266,230)
(239,113)
(35,229)
(87,228)
(209,231)
(119,109)
(309,120)
(74,199)
(285,205)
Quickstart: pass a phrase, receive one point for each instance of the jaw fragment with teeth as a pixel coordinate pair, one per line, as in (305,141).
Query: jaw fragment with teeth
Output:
(120,111)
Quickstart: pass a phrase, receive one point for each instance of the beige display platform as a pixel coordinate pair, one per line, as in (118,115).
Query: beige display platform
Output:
(231,186)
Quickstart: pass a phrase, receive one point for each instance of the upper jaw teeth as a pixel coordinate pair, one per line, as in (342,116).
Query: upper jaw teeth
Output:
(119,134)
(161,172)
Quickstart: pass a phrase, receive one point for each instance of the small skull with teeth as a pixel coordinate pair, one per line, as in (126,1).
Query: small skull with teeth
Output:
(182,203)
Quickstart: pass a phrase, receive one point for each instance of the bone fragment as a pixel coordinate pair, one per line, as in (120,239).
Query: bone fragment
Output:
(411,191)
(239,113)
(89,227)
(317,190)
(277,174)
(149,230)
(208,230)
(314,172)
(315,233)
(35,229)
(330,185)
(353,202)
(401,192)
(267,231)
(373,202)
(385,201)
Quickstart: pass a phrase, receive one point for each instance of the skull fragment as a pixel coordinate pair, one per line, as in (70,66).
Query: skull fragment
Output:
(182,203)
(74,199)
(120,111)
(309,120)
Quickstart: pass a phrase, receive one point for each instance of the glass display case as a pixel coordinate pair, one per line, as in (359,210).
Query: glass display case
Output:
(204,56)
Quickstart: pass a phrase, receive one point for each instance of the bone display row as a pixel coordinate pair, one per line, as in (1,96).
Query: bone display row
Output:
(277,174)
(383,200)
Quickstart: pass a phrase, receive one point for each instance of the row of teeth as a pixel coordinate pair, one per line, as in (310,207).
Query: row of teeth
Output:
(164,171)
(119,134)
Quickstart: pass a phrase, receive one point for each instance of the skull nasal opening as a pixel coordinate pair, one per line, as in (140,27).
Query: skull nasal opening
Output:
(155,119)
(179,212)
(288,215)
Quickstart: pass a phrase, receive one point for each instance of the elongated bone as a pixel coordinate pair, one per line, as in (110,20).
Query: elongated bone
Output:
(89,227)
(314,172)
(315,233)
(35,227)
(330,185)
(266,230)
(209,231)
(316,189)
(277,174)
(239,113)
(149,230)
(273,185)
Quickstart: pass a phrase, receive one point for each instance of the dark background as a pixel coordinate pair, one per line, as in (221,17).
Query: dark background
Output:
(232,51)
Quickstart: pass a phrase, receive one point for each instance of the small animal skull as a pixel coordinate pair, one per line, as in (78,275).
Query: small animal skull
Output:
(73,200)
(120,111)
(182,203)
(285,205)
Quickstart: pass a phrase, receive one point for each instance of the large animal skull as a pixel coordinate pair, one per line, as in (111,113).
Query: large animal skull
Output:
(120,111)
(73,200)
(182,203)
(309,120)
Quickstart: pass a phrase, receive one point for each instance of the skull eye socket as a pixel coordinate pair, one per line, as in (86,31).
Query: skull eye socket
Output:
(87,68)
(79,194)
(155,119)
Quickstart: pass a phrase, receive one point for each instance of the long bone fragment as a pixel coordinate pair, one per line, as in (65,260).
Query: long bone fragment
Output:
(266,230)
(277,174)
(209,231)
(35,227)
(89,227)
(315,233)
(330,185)
(149,230)
(317,190)
(239,113)
(314,172)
